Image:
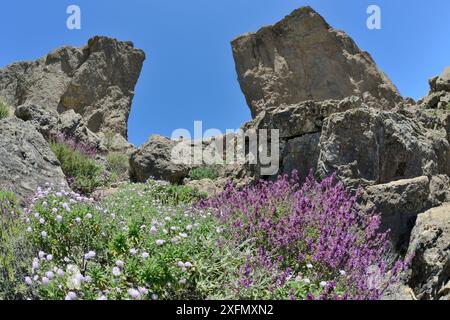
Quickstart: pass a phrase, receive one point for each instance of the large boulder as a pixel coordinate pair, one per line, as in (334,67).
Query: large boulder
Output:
(26,161)
(96,82)
(369,146)
(430,247)
(155,160)
(303,58)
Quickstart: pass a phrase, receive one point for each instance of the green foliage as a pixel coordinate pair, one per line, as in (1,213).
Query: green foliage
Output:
(15,250)
(4,110)
(118,164)
(207,172)
(133,246)
(168,194)
(83,172)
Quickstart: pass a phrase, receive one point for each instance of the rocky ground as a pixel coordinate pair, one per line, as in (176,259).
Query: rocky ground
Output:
(337,112)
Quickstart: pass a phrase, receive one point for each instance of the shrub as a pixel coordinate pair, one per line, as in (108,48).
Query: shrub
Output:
(83,172)
(15,250)
(314,239)
(4,110)
(275,240)
(118,166)
(209,172)
(132,248)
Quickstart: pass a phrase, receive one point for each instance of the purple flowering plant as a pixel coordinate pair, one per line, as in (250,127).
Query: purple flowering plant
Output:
(313,238)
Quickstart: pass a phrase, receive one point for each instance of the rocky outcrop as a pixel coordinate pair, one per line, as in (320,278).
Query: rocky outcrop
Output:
(368,146)
(430,247)
(400,202)
(96,82)
(303,58)
(439,96)
(26,161)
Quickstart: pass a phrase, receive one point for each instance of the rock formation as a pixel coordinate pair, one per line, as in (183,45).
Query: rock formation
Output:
(96,82)
(26,161)
(439,96)
(430,246)
(338,113)
(303,58)
(154,160)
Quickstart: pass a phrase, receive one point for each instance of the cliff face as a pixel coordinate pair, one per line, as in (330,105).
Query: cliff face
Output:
(85,93)
(96,81)
(303,58)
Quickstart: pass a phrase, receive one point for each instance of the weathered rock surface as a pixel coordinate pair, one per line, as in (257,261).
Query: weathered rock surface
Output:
(154,159)
(26,161)
(430,244)
(439,96)
(368,146)
(303,58)
(96,82)
(49,123)
(399,203)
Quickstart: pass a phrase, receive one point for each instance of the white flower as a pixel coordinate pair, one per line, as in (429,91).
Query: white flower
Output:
(145,255)
(154,296)
(183,235)
(102,298)
(116,271)
(189,227)
(309,266)
(120,263)
(160,242)
(153,230)
(66,207)
(35,264)
(28,281)
(188,265)
(41,254)
(45,281)
(90,255)
(134,293)
(29,229)
(342,272)
(133,251)
(50,275)
(181,264)
(42,221)
(77,219)
(59,218)
(36,278)
(44,234)
(143,291)
(87,279)
(323,283)
(182,281)
(49,257)
(54,210)
(89,216)
(306,281)
(36,215)
(71,296)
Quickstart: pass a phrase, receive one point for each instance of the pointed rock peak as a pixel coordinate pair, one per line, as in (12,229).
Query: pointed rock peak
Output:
(303,58)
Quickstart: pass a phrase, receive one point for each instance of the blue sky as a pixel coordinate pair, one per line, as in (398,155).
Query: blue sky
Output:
(189,73)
